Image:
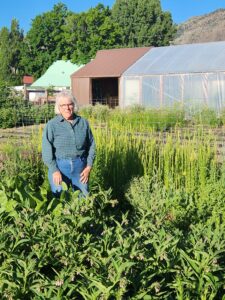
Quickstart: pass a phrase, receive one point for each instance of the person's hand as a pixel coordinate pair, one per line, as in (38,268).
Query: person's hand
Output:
(84,175)
(57,178)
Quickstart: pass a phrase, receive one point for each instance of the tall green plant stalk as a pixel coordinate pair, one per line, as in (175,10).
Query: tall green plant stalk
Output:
(186,159)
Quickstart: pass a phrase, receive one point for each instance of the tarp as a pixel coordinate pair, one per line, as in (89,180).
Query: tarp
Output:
(191,75)
(189,58)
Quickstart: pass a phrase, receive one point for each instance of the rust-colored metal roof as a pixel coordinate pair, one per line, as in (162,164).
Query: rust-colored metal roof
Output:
(111,63)
(28,79)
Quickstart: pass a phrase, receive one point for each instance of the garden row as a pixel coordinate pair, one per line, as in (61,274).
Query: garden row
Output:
(152,228)
(15,111)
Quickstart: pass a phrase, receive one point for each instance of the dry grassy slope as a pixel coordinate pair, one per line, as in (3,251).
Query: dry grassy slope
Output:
(206,28)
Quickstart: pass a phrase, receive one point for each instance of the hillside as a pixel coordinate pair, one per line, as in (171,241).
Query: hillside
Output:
(206,28)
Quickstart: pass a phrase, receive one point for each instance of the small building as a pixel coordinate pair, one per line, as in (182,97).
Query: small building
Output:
(191,75)
(28,80)
(22,89)
(99,80)
(55,79)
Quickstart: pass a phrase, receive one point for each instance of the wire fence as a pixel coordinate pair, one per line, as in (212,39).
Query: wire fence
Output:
(103,111)
(23,119)
(111,102)
(24,114)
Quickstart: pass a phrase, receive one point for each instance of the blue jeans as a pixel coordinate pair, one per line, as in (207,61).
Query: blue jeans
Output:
(70,170)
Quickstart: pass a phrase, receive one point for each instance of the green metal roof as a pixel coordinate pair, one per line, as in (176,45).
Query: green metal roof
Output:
(57,75)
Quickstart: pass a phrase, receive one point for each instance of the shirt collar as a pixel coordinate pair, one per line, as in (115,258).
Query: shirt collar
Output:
(75,120)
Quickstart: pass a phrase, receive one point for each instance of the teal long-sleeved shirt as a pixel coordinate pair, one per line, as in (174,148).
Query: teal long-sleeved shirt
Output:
(62,139)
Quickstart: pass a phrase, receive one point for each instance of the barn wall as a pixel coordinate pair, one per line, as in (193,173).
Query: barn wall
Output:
(81,89)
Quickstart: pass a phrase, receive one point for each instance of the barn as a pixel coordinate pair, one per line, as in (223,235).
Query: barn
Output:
(99,80)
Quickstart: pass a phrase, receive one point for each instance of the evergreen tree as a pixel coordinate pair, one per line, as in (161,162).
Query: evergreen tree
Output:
(4,55)
(11,48)
(16,44)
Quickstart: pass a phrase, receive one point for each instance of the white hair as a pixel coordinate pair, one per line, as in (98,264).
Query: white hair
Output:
(65,94)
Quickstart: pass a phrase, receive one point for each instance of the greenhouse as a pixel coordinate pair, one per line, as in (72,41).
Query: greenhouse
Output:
(191,75)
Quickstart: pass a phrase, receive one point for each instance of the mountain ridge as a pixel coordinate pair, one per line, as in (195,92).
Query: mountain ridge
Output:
(199,29)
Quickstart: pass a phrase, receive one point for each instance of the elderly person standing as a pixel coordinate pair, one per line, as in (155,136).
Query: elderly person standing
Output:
(68,146)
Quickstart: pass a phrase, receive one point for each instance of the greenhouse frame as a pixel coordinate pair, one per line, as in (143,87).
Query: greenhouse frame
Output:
(191,75)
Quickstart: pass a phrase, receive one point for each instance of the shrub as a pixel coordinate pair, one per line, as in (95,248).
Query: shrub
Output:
(100,112)
(8,117)
(86,111)
(206,116)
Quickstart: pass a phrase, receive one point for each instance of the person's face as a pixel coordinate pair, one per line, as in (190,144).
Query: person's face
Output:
(66,107)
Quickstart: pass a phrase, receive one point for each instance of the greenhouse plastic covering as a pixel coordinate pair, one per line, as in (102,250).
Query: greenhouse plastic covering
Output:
(192,75)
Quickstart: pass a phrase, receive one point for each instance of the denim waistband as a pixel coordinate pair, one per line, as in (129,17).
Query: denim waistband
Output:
(71,158)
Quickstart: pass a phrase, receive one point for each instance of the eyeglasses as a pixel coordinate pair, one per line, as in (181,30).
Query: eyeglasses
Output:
(66,105)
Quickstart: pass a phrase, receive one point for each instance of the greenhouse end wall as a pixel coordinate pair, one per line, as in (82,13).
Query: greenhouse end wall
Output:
(193,91)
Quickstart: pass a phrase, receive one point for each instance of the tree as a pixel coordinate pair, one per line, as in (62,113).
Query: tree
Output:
(11,48)
(89,32)
(4,55)
(16,38)
(143,23)
(45,41)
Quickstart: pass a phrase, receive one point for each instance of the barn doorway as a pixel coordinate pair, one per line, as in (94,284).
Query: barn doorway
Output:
(105,91)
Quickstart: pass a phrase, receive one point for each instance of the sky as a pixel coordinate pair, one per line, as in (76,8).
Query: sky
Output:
(26,10)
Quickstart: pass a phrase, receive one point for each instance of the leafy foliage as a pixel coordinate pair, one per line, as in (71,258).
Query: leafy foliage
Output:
(143,23)
(87,248)
(62,34)
(8,101)
(152,227)
(15,111)
(89,32)
(45,40)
